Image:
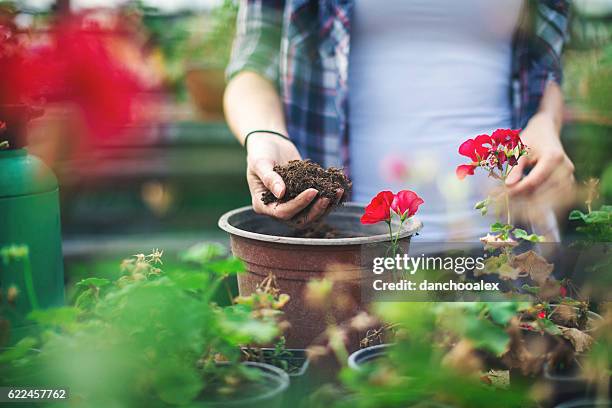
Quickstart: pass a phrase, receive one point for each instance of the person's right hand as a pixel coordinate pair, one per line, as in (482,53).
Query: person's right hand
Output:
(264,152)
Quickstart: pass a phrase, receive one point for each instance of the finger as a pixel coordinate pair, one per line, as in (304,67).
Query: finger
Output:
(516,174)
(535,179)
(264,169)
(337,199)
(339,194)
(286,211)
(314,213)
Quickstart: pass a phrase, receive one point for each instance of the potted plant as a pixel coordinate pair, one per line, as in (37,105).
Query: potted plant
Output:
(337,257)
(419,369)
(154,337)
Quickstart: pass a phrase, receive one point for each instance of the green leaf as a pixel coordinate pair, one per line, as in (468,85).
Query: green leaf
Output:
(177,383)
(241,328)
(19,350)
(98,282)
(534,290)
(577,215)
(522,234)
(498,226)
(190,280)
(548,326)
(502,312)
(203,252)
(229,266)
(58,316)
(598,217)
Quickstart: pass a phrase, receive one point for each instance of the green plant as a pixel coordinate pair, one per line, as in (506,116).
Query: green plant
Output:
(151,337)
(427,364)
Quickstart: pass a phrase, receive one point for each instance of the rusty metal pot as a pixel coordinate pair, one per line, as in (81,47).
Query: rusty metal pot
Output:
(269,246)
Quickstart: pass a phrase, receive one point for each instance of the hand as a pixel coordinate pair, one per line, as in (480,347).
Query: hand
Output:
(264,152)
(551,179)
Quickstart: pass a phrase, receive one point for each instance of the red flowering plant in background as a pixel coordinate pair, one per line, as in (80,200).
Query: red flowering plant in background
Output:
(385,204)
(84,63)
(498,154)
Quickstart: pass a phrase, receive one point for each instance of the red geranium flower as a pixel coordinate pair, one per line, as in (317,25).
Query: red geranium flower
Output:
(379,208)
(509,138)
(542,315)
(477,149)
(406,203)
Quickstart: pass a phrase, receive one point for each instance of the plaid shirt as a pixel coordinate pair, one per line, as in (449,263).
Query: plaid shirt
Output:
(303,46)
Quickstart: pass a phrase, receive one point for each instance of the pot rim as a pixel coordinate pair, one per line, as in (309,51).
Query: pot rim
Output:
(272,371)
(410,228)
(377,349)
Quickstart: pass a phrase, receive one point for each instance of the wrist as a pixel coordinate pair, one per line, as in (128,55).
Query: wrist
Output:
(547,119)
(266,135)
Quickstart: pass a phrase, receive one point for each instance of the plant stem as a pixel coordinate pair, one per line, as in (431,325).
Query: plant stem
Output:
(507,207)
(29,282)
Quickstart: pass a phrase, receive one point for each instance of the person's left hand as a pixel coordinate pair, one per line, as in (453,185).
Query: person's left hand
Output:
(551,179)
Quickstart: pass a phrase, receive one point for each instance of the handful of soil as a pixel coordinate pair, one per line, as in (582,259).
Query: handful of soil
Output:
(300,175)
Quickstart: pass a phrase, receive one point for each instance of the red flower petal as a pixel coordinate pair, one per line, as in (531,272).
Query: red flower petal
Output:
(465,170)
(406,203)
(379,208)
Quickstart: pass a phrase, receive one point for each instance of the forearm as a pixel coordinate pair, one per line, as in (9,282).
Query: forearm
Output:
(551,106)
(251,102)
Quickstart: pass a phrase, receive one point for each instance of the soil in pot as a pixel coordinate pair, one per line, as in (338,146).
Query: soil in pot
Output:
(265,387)
(300,175)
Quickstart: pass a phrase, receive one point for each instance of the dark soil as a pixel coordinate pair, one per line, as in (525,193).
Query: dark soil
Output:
(320,230)
(300,175)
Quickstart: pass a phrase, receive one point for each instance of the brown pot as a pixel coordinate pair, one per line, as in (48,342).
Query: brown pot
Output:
(206,86)
(267,246)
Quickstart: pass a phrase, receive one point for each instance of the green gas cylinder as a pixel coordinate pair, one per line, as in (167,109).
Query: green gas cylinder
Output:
(31,264)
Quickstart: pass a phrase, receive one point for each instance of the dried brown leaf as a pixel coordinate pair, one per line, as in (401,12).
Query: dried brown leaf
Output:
(534,265)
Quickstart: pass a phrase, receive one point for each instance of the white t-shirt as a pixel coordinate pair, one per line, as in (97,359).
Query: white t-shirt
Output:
(425,75)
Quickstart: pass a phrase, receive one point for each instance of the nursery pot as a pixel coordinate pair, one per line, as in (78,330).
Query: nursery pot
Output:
(274,383)
(358,359)
(296,359)
(269,246)
(566,384)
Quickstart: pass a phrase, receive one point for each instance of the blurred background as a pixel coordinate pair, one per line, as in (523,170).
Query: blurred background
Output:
(139,145)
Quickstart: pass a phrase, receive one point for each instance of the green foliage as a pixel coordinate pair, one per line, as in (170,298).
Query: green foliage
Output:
(148,336)
(415,371)
(522,234)
(203,252)
(597,224)
(504,231)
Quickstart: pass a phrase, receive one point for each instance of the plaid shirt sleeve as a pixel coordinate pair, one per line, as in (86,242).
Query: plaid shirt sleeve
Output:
(258,39)
(551,26)
(537,55)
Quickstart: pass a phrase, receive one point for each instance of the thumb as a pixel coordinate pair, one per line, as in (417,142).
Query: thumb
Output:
(516,174)
(264,169)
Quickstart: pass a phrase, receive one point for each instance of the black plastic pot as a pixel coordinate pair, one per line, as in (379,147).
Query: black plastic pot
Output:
(276,381)
(358,359)
(297,360)
(567,384)
(586,403)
